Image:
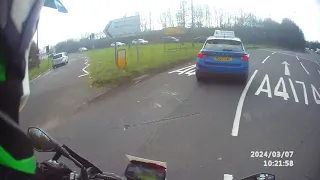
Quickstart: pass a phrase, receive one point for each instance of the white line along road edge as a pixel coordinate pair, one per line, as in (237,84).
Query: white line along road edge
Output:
(236,122)
(84,69)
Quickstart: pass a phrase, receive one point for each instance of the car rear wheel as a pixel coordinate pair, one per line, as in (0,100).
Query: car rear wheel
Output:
(244,78)
(199,78)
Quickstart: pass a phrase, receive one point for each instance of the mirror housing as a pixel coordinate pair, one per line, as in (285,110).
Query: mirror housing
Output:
(40,140)
(261,176)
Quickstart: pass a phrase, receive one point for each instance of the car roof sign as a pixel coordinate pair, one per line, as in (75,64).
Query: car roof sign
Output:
(224,34)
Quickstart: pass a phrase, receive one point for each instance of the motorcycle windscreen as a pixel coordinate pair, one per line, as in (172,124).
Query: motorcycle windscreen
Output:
(159,163)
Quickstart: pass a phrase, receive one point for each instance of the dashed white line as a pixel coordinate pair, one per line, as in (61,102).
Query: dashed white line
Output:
(265,59)
(273,53)
(236,122)
(297,58)
(304,68)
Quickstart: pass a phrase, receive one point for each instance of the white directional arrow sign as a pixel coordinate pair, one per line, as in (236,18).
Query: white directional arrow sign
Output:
(286,68)
(124,27)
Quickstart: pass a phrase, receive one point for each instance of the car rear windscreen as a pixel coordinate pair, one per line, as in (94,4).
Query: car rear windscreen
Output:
(223,45)
(57,56)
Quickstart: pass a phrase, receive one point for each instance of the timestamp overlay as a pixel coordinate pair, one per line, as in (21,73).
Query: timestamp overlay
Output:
(274,158)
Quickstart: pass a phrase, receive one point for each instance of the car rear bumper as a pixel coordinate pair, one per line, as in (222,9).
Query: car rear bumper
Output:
(202,68)
(54,63)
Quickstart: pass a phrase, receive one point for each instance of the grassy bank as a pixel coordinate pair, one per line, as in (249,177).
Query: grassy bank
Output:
(103,69)
(44,66)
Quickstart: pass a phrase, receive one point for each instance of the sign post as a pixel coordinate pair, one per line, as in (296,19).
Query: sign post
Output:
(123,27)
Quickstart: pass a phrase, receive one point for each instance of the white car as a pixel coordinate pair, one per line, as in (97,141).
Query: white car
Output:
(82,49)
(139,41)
(118,44)
(60,59)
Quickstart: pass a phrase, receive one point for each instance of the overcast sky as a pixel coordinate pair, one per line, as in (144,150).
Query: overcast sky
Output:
(92,15)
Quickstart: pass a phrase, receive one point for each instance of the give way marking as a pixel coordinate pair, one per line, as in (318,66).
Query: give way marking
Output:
(84,69)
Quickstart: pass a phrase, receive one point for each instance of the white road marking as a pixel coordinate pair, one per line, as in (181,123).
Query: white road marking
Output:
(156,105)
(305,58)
(315,92)
(273,52)
(227,177)
(283,93)
(265,59)
(293,91)
(191,72)
(236,122)
(83,75)
(286,68)
(304,91)
(297,57)
(183,70)
(260,89)
(84,69)
(319,72)
(304,68)
(35,78)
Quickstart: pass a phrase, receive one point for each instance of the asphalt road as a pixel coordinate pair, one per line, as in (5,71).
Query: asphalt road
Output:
(57,94)
(204,130)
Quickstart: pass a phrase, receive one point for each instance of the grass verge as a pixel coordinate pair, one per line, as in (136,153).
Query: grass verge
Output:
(152,58)
(103,69)
(44,66)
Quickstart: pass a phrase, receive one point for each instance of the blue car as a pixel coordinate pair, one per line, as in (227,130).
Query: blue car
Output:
(223,55)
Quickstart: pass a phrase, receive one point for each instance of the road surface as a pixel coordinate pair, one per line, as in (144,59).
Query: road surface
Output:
(206,130)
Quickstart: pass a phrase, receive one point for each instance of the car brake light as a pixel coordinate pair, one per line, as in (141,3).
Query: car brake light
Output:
(200,55)
(245,57)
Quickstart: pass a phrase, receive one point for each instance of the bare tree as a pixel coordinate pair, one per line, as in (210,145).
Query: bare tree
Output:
(221,18)
(169,18)
(216,20)
(184,13)
(199,15)
(178,17)
(163,20)
(143,23)
(207,15)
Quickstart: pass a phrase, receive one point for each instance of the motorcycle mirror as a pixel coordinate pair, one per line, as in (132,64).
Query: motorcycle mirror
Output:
(40,140)
(261,176)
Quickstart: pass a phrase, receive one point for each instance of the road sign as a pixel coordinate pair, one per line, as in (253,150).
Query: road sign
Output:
(121,59)
(172,31)
(47,49)
(124,27)
(91,37)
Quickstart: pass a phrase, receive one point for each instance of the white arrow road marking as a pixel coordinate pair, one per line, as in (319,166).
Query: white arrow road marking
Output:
(227,177)
(304,68)
(286,68)
(236,122)
(84,69)
(265,59)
